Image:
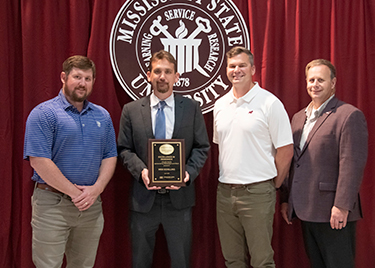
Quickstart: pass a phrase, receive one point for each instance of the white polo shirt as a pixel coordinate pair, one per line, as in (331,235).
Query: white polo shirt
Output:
(248,130)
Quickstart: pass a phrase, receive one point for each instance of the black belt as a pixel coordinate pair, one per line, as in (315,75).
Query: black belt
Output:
(235,186)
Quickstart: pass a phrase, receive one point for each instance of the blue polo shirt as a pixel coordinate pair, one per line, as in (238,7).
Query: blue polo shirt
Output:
(75,141)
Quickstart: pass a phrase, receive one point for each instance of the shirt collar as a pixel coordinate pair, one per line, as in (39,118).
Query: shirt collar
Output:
(315,113)
(155,100)
(248,96)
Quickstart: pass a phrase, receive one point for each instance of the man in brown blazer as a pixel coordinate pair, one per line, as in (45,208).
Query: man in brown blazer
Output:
(330,152)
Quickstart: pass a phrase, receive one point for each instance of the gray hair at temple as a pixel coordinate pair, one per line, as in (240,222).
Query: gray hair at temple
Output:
(318,62)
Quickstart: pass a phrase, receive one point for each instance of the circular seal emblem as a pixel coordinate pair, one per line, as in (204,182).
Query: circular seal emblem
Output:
(166,149)
(197,33)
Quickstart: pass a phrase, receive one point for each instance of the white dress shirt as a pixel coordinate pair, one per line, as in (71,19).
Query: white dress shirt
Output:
(168,112)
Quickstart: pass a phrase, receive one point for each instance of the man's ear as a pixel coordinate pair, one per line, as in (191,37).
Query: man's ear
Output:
(333,83)
(253,70)
(177,76)
(63,77)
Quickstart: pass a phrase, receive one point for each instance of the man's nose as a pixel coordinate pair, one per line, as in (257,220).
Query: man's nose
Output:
(162,75)
(82,82)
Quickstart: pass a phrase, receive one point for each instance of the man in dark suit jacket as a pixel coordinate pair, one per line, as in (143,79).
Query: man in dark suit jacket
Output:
(171,206)
(330,153)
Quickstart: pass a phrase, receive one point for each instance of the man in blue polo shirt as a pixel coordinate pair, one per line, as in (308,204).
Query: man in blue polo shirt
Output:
(70,143)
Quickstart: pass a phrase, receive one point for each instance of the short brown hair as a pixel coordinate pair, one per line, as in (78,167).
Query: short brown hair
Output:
(80,62)
(162,54)
(238,50)
(318,62)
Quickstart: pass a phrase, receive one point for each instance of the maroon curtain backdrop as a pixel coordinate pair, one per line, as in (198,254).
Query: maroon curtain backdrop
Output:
(37,36)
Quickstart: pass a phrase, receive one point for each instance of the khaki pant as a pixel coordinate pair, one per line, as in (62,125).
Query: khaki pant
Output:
(244,219)
(59,227)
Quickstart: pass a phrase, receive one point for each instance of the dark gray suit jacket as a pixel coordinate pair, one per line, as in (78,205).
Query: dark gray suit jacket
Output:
(134,133)
(328,170)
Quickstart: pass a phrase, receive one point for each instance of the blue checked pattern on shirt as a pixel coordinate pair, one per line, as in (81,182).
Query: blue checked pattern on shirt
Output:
(75,142)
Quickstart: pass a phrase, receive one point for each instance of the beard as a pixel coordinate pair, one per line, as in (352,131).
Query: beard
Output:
(163,88)
(73,95)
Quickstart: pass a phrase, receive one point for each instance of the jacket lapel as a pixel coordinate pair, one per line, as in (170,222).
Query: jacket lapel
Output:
(178,111)
(146,117)
(297,133)
(322,118)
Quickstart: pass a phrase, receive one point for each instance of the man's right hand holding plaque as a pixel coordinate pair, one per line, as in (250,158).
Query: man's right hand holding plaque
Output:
(146,181)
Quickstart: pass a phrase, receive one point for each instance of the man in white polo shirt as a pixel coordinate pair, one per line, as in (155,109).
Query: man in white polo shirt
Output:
(255,142)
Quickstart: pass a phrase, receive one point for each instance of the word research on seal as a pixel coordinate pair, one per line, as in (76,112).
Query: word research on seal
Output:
(197,33)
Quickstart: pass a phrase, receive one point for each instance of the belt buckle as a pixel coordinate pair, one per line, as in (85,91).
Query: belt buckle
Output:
(163,191)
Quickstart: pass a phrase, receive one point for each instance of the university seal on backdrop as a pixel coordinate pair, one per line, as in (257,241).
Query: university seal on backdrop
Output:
(197,33)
